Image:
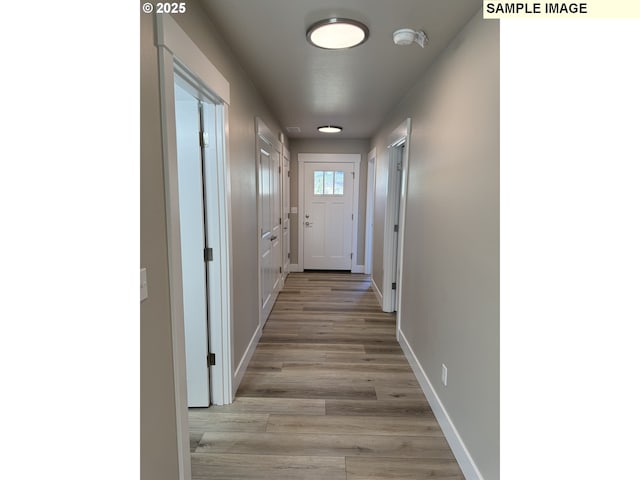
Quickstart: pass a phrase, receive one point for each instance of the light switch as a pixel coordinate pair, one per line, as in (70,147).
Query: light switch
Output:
(143,284)
(294,209)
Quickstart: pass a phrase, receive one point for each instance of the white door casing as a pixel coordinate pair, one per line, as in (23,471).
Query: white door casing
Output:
(396,168)
(399,145)
(371,184)
(286,208)
(328,221)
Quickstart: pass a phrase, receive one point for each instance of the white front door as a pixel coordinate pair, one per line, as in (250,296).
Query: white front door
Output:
(327,220)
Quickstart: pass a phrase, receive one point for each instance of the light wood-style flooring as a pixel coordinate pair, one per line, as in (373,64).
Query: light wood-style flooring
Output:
(328,395)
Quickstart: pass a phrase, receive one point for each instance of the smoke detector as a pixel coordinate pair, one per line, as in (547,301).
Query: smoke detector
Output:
(407,36)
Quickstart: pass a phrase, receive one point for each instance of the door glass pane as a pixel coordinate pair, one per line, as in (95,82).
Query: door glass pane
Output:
(328,183)
(318,183)
(339,184)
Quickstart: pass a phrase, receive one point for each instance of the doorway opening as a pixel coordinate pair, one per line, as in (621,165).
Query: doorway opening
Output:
(200,280)
(203,235)
(328,196)
(398,168)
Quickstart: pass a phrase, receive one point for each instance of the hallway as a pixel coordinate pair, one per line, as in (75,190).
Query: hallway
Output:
(328,395)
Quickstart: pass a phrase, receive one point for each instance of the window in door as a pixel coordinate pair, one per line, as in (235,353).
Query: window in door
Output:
(328,182)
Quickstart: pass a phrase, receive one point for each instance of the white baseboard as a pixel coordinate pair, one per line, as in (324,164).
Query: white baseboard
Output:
(246,358)
(294,267)
(376,290)
(467,465)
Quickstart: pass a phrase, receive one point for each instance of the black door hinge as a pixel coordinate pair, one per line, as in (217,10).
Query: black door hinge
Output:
(211,359)
(393,286)
(208,254)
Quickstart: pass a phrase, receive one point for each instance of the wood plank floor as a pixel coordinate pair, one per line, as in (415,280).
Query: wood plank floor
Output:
(328,395)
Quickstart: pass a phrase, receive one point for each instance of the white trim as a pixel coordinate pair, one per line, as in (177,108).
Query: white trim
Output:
(170,36)
(220,231)
(238,375)
(295,267)
(285,197)
(400,136)
(357,269)
(465,461)
(353,158)
(376,290)
(329,158)
(227,327)
(368,223)
(170,161)
(175,48)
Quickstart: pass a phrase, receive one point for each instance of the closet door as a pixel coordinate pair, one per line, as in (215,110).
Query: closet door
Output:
(269,218)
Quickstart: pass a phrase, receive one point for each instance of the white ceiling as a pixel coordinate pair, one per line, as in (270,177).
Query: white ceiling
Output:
(306,86)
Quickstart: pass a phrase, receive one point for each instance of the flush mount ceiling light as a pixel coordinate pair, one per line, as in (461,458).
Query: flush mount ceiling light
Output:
(407,36)
(337,33)
(330,129)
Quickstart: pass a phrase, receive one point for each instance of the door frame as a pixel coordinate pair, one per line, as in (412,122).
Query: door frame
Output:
(285,190)
(304,158)
(176,49)
(399,137)
(368,225)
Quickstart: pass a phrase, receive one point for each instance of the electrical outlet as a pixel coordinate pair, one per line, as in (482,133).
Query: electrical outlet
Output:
(444,374)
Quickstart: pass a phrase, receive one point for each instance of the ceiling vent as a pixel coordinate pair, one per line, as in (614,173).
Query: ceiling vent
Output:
(293,129)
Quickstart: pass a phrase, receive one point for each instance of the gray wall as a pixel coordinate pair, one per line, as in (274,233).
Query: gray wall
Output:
(450,296)
(158,420)
(329,146)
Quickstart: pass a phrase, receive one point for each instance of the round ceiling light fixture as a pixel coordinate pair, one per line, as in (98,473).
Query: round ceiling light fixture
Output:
(337,33)
(407,36)
(330,129)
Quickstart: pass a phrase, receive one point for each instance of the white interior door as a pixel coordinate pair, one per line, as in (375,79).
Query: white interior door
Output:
(276,220)
(286,207)
(327,220)
(266,259)
(270,209)
(192,244)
